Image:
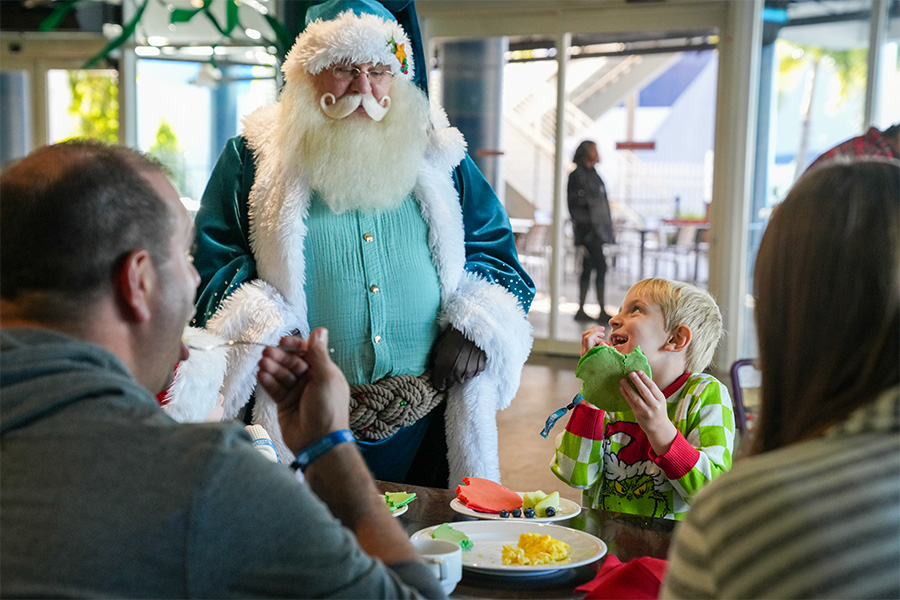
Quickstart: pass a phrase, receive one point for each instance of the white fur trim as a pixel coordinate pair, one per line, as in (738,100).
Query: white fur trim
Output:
(438,115)
(471,429)
(348,38)
(278,207)
(255,312)
(484,312)
(447,146)
(491,317)
(195,389)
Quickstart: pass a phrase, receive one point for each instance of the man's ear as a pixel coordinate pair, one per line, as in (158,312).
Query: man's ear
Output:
(136,284)
(679,339)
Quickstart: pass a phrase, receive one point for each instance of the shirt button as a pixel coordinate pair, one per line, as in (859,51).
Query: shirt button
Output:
(377,339)
(374,289)
(368,237)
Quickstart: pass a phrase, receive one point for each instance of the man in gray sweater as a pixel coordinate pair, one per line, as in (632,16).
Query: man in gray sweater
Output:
(101,493)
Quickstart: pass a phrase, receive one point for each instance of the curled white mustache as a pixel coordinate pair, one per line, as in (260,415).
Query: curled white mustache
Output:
(338,109)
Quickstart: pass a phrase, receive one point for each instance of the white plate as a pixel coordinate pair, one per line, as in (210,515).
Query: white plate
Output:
(567,509)
(400,510)
(488,538)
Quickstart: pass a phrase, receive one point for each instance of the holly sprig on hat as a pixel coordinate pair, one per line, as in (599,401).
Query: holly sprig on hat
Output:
(399,51)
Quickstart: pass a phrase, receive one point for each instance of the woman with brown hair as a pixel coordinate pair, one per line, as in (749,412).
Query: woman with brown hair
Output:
(816,511)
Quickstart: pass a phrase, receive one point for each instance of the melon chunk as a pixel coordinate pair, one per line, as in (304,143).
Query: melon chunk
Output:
(531,499)
(551,500)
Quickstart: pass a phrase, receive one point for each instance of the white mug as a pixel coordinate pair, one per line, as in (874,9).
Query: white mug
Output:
(445,560)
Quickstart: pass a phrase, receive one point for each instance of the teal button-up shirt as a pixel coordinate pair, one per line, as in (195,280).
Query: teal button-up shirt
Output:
(370,280)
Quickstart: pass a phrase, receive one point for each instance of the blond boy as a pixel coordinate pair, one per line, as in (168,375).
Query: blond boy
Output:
(679,433)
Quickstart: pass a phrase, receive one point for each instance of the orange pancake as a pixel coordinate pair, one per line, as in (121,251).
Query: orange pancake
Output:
(487,496)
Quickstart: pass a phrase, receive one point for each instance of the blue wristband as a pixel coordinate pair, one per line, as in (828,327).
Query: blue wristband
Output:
(316,450)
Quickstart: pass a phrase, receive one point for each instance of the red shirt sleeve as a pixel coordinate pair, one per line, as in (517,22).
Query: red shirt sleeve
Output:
(586,422)
(680,458)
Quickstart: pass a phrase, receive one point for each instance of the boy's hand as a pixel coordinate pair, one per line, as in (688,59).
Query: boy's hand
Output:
(593,337)
(649,407)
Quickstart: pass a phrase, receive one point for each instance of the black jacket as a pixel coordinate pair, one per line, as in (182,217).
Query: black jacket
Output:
(589,207)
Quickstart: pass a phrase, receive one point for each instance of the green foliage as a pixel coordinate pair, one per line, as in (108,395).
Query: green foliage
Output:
(95,101)
(280,39)
(850,66)
(166,140)
(166,150)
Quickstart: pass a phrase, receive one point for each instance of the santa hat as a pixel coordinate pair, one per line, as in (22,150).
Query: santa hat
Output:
(350,32)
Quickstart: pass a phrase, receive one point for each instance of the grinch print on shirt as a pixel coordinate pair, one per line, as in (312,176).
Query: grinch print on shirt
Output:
(633,483)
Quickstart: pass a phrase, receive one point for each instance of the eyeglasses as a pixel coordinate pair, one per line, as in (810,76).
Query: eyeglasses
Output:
(348,72)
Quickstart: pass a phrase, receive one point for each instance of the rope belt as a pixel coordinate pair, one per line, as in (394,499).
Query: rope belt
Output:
(378,410)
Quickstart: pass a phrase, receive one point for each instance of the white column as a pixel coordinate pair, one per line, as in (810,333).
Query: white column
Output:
(738,89)
(563,41)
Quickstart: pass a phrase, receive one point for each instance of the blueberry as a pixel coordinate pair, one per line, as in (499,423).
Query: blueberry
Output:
(504,514)
(517,512)
(549,512)
(529,513)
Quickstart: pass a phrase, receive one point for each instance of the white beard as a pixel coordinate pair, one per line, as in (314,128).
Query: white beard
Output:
(355,163)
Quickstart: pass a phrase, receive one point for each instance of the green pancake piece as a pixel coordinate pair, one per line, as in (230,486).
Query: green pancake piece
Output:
(445,532)
(397,500)
(601,369)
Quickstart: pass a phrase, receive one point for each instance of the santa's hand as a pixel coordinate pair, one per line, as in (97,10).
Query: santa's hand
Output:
(456,359)
(311,393)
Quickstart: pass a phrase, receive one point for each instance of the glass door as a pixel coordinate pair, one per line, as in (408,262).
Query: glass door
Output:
(648,101)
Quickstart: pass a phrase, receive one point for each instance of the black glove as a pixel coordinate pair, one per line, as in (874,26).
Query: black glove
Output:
(455,359)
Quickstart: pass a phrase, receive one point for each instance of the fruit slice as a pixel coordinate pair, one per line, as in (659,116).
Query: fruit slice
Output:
(550,501)
(396,500)
(487,496)
(601,369)
(531,499)
(445,532)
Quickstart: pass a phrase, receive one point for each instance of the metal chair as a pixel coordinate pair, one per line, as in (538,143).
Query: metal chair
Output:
(738,384)
(535,254)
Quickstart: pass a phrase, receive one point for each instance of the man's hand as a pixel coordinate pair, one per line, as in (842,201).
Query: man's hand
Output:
(313,400)
(311,393)
(649,407)
(456,359)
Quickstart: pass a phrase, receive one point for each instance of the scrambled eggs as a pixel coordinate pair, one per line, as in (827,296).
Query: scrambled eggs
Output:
(534,549)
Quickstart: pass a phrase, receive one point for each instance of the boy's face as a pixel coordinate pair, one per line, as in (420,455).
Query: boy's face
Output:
(639,323)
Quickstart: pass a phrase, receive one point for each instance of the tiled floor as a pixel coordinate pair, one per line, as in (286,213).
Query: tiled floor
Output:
(548,383)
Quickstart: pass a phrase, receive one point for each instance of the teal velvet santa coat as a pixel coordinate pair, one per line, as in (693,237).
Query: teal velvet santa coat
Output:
(250,254)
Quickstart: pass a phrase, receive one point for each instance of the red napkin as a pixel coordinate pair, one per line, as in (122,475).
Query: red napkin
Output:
(637,579)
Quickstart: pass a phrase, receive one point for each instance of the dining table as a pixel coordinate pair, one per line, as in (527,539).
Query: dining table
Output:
(625,536)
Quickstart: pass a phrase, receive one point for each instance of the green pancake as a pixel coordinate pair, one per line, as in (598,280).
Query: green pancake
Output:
(601,369)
